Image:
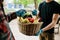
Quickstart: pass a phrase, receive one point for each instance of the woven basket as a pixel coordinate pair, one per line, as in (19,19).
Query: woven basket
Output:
(29,28)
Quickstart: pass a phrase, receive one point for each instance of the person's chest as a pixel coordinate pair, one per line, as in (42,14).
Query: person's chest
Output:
(46,10)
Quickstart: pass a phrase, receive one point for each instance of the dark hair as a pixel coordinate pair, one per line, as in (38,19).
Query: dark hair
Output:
(1,0)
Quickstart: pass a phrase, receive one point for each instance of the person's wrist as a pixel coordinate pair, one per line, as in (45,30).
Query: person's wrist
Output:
(41,30)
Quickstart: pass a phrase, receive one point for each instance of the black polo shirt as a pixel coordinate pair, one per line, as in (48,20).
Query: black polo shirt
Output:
(46,13)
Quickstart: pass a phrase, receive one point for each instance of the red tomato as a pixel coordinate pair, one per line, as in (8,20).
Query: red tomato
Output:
(31,20)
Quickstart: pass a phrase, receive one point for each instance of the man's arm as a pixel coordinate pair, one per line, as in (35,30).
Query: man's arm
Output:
(53,23)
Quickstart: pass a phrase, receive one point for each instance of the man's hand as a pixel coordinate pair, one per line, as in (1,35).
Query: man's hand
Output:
(39,32)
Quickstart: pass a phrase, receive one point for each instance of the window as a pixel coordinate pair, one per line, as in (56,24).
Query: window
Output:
(14,5)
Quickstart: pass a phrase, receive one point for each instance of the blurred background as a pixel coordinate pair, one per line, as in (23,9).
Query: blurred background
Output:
(15,5)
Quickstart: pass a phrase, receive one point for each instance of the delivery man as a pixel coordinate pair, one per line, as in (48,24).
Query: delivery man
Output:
(48,12)
(5,32)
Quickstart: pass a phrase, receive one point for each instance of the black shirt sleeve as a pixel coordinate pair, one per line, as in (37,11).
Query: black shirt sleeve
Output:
(56,8)
(39,9)
(40,5)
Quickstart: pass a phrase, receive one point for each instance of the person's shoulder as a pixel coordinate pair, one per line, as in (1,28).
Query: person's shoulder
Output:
(41,3)
(56,3)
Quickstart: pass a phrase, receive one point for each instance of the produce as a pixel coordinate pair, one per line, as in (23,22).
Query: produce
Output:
(21,19)
(36,21)
(25,21)
(20,13)
(27,15)
(27,18)
(34,12)
(31,20)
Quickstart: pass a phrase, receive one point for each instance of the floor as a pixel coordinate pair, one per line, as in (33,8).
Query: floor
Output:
(19,36)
